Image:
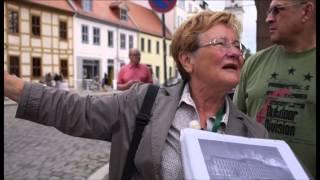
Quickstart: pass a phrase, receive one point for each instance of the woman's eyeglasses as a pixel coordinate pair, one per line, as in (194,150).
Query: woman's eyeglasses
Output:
(224,43)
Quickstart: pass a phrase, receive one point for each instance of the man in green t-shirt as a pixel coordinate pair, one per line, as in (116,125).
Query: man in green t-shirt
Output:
(277,85)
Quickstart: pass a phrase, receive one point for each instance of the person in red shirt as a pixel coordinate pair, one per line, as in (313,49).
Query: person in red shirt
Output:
(133,72)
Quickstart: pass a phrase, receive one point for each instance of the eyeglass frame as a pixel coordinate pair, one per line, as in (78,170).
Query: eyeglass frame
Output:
(275,10)
(213,42)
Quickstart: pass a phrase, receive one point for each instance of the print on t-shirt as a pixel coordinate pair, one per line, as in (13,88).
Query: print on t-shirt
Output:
(284,104)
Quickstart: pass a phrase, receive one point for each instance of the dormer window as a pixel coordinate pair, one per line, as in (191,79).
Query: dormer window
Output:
(87,5)
(123,14)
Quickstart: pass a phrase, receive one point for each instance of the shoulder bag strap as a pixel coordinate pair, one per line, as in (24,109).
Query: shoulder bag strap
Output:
(142,119)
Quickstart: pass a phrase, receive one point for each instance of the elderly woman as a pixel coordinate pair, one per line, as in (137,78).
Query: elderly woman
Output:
(209,56)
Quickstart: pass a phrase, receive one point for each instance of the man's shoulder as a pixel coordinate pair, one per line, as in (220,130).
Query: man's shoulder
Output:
(143,66)
(266,54)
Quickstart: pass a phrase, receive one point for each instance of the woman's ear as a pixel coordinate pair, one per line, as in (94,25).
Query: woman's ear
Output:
(186,61)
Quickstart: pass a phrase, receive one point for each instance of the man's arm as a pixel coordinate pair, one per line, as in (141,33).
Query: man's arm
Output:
(127,85)
(13,86)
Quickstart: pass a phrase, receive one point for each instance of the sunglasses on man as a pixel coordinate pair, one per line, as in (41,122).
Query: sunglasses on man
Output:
(275,10)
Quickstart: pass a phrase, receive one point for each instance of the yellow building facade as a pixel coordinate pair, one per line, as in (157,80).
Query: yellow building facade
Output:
(38,39)
(151,48)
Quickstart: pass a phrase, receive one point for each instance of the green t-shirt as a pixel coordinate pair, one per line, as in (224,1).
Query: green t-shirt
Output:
(278,90)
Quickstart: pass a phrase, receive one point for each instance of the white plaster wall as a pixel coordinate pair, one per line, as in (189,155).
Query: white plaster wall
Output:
(46,18)
(24,14)
(35,42)
(25,70)
(46,42)
(25,58)
(13,40)
(46,30)
(25,39)
(46,59)
(25,27)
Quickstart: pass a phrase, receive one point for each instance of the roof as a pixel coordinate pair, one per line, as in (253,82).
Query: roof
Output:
(146,20)
(140,18)
(58,4)
(106,11)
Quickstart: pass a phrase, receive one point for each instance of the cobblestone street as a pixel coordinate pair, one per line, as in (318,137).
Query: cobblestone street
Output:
(33,151)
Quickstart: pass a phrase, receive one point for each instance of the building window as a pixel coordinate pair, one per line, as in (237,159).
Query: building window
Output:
(85,34)
(87,5)
(158,72)
(122,41)
(123,14)
(170,50)
(64,67)
(190,8)
(130,42)
(36,67)
(14,65)
(110,38)
(158,47)
(181,4)
(170,72)
(149,45)
(13,18)
(35,25)
(96,36)
(142,44)
(63,30)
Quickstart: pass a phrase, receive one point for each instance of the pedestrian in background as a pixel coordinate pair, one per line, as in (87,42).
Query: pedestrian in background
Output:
(133,72)
(209,62)
(104,81)
(278,84)
(48,80)
(60,82)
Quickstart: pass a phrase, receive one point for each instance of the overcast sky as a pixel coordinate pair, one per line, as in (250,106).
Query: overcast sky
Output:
(249,21)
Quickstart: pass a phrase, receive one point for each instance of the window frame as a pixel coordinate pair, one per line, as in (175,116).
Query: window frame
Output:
(96,37)
(62,69)
(142,44)
(17,23)
(86,5)
(84,35)
(110,38)
(33,68)
(32,26)
(158,72)
(158,47)
(16,66)
(122,41)
(63,31)
(149,46)
(130,41)
(123,14)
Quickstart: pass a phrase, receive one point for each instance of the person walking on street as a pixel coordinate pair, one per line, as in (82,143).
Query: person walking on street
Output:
(209,62)
(104,81)
(133,72)
(278,84)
